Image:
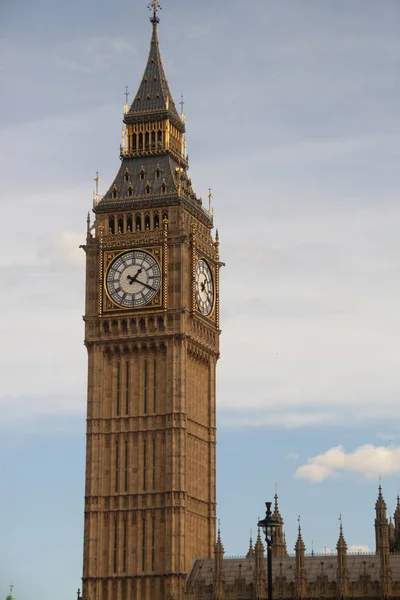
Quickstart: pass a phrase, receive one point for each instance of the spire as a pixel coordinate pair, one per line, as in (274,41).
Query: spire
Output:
(380,502)
(219,565)
(341,545)
(300,574)
(250,552)
(381,522)
(300,546)
(277,514)
(153,95)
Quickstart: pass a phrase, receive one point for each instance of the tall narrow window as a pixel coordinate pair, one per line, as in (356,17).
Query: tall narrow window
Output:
(146,386)
(118,388)
(153,140)
(140,141)
(126,466)
(160,139)
(116,465)
(111,225)
(115,544)
(125,544)
(144,544)
(154,464)
(152,545)
(155,386)
(134,142)
(127,377)
(144,463)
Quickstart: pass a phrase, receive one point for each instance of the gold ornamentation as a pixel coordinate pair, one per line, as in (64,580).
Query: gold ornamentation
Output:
(157,301)
(101,231)
(165,263)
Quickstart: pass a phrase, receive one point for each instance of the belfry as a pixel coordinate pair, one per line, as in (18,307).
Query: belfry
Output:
(152,337)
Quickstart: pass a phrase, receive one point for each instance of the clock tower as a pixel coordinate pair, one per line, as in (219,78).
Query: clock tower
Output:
(152,336)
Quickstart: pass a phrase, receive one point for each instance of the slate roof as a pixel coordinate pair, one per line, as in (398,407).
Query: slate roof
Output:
(153,95)
(156,178)
(357,564)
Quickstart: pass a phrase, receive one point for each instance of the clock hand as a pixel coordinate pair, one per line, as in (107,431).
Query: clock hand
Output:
(134,278)
(147,285)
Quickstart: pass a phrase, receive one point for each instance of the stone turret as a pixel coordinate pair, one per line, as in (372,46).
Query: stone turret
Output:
(385,570)
(259,567)
(301,574)
(381,522)
(397,526)
(219,567)
(342,573)
(279,541)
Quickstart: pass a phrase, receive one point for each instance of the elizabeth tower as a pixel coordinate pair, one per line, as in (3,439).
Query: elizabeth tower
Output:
(152,336)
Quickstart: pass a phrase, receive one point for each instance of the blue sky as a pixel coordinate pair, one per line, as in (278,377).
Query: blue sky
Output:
(293,120)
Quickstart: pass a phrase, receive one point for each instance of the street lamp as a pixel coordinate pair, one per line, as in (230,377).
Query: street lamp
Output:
(268,525)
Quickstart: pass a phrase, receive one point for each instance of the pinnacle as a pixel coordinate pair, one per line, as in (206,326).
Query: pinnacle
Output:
(341,543)
(300,546)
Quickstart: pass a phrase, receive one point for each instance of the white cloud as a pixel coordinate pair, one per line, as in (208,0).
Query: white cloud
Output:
(367,460)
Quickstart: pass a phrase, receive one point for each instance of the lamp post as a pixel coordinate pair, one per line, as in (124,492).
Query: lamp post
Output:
(268,525)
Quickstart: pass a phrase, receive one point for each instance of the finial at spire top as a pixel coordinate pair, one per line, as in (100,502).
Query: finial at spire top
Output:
(155,6)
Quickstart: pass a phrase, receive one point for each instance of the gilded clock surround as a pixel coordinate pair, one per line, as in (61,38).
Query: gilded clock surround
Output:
(109,258)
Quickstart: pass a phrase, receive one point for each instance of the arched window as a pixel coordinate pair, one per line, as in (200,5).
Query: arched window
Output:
(153,140)
(160,324)
(130,190)
(147,140)
(147,222)
(142,174)
(147,188)
(129,222)
(134,142)
(126,175)
(138,223)
(160,139)
(156,221)
(124,326)
(111,225)
(114,192)
(120,224)
(163,187)
(106,327)
(158,172)
(142,325)
(140,141)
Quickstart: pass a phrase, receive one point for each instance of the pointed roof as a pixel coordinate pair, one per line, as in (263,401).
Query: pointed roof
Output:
(250,552)
(277,514)
(259,546)
(380,502)
(341,543)
(153,95)
(300,546)
(219,548)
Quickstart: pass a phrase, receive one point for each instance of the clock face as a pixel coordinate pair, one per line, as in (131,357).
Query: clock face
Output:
(133,279)
(204,288)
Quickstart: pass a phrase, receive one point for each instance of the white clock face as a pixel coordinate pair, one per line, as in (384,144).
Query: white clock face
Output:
(204,288)
(133,279)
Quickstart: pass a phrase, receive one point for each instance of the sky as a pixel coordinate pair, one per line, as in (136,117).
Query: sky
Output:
(293,121)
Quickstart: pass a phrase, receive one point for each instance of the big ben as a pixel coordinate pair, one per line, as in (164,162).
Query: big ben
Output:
(152,337)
